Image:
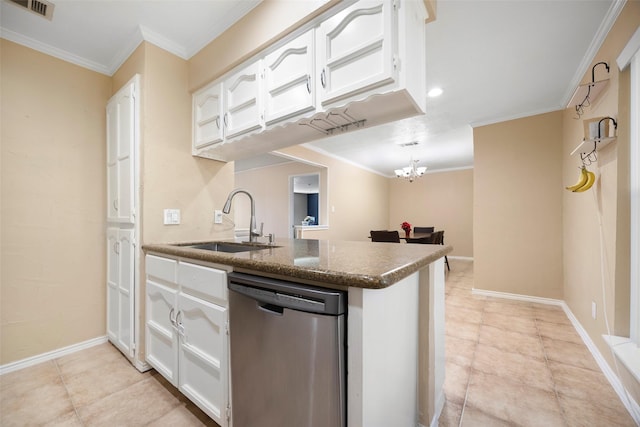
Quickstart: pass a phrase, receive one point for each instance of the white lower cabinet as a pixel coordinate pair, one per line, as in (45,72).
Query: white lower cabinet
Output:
(186,331)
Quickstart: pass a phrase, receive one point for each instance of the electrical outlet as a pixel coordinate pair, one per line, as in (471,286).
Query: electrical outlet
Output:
(171,216)
(217,216)
(593,310)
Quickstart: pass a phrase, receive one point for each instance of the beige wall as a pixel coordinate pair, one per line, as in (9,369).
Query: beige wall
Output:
(607,203)
(357,199)
(517,225)
(269,188)
(52,289)
(443,200)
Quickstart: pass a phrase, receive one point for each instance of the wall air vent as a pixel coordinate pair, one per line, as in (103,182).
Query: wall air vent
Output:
(39,7)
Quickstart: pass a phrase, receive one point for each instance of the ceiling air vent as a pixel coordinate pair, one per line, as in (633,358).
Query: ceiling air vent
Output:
(409,144)
(39,7)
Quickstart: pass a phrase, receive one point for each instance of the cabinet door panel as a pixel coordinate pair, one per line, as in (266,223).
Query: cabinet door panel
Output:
(289,78)
(203,355)
(121,132)
(161,336)
(242,102)
(113,267)
(126,291)
(356,49)
(207,120)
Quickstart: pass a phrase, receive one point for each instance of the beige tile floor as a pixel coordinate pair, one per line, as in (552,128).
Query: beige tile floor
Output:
(512,363)
(508,364)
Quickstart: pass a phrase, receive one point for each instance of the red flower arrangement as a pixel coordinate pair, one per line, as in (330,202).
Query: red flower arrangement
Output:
(406,226)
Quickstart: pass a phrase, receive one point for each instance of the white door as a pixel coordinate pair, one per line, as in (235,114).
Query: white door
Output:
(121,131)
(356,50)
(207,120)
(161,331)
(242,101)
(203,355)
(289,76)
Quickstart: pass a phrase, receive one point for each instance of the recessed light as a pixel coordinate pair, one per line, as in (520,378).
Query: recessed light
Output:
(436,91)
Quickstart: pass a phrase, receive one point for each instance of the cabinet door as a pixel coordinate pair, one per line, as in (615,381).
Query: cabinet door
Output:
(242,101)
(207,120)
(161,331)
(288,78)
(356,50)
(113,277)
(203,355)
(120,155)
(120,289)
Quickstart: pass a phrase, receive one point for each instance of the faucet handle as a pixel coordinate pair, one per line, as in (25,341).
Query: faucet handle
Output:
(261,228)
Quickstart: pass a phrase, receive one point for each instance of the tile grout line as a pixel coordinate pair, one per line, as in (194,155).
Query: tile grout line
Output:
(553,380)
(64,384)
(473,358)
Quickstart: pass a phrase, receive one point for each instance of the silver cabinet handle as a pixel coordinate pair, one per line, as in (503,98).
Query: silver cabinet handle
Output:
(226,120)
(180,326)
(218,122)
(115,204)
(323,79)
(309,83)
(116,248)
(171,318)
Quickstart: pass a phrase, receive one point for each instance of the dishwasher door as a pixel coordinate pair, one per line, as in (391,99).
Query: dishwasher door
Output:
(287,345)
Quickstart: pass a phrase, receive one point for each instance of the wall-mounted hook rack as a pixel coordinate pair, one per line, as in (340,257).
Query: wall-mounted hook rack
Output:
(589,146)
(587,93)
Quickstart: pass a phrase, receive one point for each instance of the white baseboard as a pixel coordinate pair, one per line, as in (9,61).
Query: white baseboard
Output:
(440,401)
(612,377)
(50,355)
(518,297)
(463,258)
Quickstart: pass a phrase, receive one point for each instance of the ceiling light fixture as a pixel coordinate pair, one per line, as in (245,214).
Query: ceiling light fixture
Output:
(436,91)
(412,171)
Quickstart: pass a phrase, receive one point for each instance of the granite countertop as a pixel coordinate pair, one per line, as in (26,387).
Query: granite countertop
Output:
(341,263)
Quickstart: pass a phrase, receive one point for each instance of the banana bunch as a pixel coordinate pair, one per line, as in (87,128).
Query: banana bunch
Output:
(585,181)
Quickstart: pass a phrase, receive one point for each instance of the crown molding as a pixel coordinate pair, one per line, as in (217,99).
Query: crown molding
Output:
(53,51)
(599,38)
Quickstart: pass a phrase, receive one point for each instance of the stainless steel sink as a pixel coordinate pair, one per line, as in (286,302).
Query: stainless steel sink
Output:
(228,247)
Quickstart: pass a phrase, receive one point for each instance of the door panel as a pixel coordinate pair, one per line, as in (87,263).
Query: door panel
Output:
(161,337)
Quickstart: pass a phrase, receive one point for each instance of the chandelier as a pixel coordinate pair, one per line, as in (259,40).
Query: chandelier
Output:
(412,171)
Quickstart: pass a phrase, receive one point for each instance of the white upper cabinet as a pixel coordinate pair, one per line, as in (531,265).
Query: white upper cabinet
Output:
(242,101)
(356,50)
(208,116)
(120,156)
(321,82)
(289,79)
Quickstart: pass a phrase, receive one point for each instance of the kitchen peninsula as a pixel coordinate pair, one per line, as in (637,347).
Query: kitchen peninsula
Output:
(395,321)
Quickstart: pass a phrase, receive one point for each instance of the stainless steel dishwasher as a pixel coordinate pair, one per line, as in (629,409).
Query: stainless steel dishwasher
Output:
(287,344)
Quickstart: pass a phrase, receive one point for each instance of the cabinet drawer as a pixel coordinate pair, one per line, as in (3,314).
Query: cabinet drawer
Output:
(161,268)
(203,281)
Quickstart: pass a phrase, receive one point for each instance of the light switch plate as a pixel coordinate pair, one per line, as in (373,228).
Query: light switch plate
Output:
(171,216)
(217,216)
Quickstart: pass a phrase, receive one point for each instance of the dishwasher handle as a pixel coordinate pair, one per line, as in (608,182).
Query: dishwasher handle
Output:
(288,295)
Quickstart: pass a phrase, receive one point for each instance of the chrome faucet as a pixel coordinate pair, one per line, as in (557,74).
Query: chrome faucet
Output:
(254,233)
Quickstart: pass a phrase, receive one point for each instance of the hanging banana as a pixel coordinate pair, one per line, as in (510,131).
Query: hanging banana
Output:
(591,179)
(582,179)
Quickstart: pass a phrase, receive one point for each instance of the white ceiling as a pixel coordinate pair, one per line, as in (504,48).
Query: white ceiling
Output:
(495,60)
